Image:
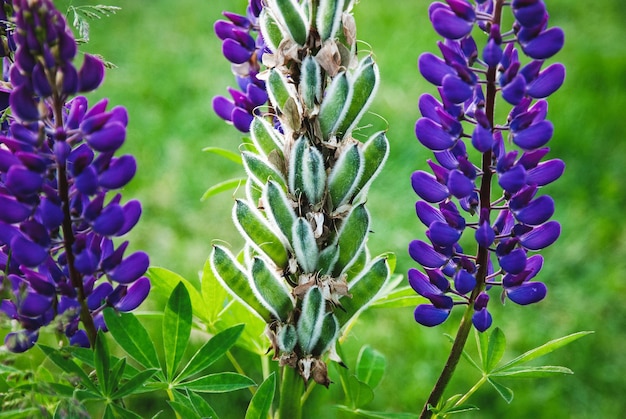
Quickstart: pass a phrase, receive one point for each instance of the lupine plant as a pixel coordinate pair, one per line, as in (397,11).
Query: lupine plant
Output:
(290,296)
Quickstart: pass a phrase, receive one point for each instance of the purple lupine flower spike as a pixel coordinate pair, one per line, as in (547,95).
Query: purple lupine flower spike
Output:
(509,229)
(244,51)
(57,165)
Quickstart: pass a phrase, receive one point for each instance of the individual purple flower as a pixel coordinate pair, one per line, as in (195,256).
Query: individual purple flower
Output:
(244,51)
(57,167)
(508,229)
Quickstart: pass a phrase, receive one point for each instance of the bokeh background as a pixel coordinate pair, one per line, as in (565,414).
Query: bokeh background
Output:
(169,66)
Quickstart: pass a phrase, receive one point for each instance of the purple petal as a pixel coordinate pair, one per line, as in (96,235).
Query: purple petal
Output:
(135,295)
(548,81)
(432,135)
(242,119)
(455,89)
(449,25)
(530,14)
(223,107)
(541,236)
(27,252)
(514,91)
(426,187)
(546,172)
(545,45)
(513,180)
(485,235)
(87,181)
(427,213)
(492,54)
(18,342)
(99,295)
(40,81)
(12,211)
(131,268)
(23,104)
(428,315)
(132,212)
(482,320)
(223,29)
(527,293)
(90,74)
(535,136)
(433,68)
(514,262)
(425,255)
(235,52)
(441,234)
(482,140)
(464,282)
(109,138)
(537,211)
(86,262)
(110,220)
(23,182)
(421,283)
(34,305)
(459,185)
(120,172)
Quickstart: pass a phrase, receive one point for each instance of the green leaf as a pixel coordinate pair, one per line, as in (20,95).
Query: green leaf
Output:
(377,415)
(459,409)
(202,408)
(176,327)
(333,104)
(164,281)
(495,349)
(271,290)
(224,186)
(102,361)
(213,293)
(20,413)
(261,402)
(370,366)
(290,15)
(260,233)
(363,289)
(361,393)
(401,297)
(542,350)
(253,337)
(218,383)
(234,278)
(211,351)
(117,372)
(345,175)
(304,245)
(351,238)
(63,361)
(230,155)
(182,410)
(533,372)
(132,337)
(133,384)
(505,392)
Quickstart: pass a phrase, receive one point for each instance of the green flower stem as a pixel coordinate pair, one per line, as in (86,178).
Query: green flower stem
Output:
(471,391)
(238,368)
(291,388)
(170,394)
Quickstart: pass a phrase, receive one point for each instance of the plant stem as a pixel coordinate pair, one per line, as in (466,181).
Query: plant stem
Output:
(482,258)
(471,391)
(291,388)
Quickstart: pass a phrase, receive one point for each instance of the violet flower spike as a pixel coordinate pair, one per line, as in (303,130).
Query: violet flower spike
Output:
(57,165)
(243,46)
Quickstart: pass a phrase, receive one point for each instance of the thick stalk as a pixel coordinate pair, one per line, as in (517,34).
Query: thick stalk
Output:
(483,253)
(291,388)
(68,235)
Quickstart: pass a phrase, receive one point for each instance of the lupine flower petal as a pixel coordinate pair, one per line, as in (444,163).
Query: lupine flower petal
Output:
(464,282)
(23,105)
(109,138)
(548,81)
(459,185)
(527,293)
(110,221)
(541,236)
(90,74)
(514,262)
(427,213)
(441,234)
(99,295)
(449,25)
(514,91)
(455,89)
(546,172)
(425,255)
(492,54)
(537,211)
(513,180)
(12,211)
(23,182)
(426,186)
(132,212)
(135,295)
(428,315)
(535,136)
(242,119)
(131,268)
(119,173)
(482,320)
(27,252)
(545,45)
(482,139)
(80,339)
(530,14)
(34,304)
(235,52)
(432,135)
(223,107)
(433,68)
(18,342)
(484,235)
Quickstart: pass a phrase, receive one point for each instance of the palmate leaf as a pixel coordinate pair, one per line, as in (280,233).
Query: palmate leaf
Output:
(164,281)
(224,186)
(132,337)
(102,361)
(230,155)
(69,366)
(505,392)
(176,327)
(217,383)
(533,372)
(211,351)
(377,415)
(261,402)
(133,384)
(370,366)
(213,293)
(202,408)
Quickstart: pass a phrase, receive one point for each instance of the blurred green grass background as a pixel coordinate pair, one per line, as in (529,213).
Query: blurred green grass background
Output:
(170,66)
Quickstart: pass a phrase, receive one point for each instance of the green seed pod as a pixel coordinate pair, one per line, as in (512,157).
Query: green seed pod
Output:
(327,259)
(296,164)
(261,170)
(279,208)
(351,238)
(304,245)
(291,16)
(329,18)
(232,276)
(310,83)
(328,335)
(363,85)
(260,234)
(265,138)
(375,152)
(333,104)
(311,319)
(314,175)
(271,290)
(344,177)
(287,337)
(280,90)
(272,34)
